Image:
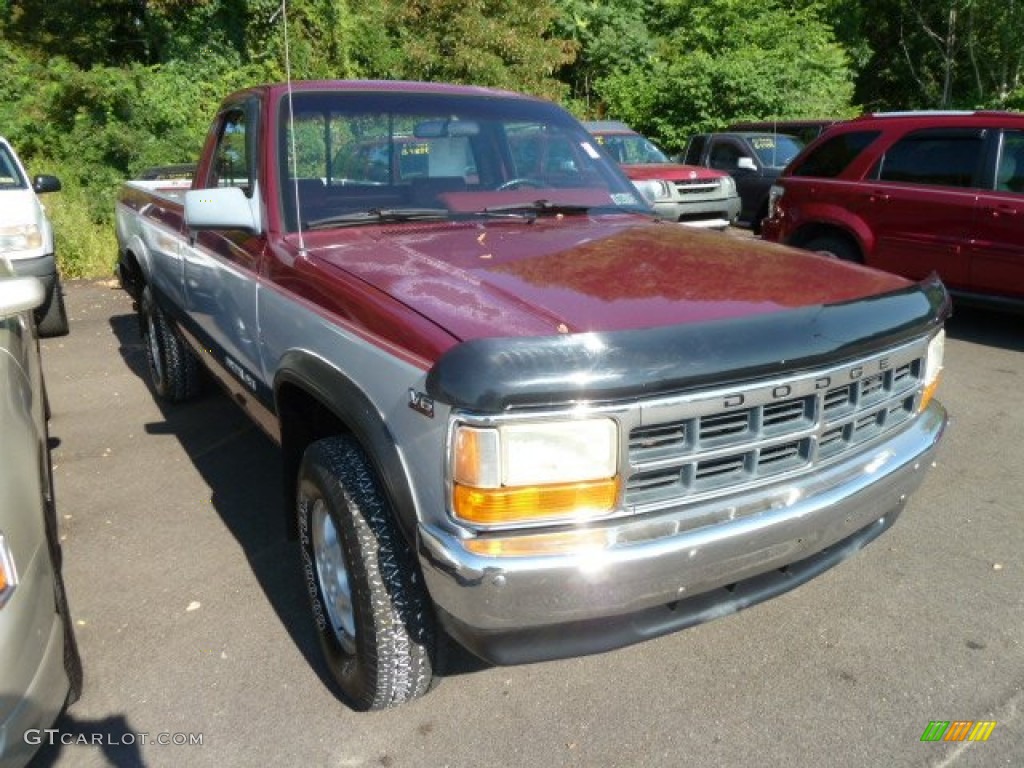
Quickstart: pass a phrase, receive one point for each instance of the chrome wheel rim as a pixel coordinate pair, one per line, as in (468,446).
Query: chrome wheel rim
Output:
(332,573)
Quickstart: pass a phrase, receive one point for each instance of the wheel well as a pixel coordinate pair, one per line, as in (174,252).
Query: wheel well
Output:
(130,274)
(815,231)
(304,419)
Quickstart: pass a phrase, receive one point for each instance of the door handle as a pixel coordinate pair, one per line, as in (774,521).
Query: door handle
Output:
(877,196)
(997,211)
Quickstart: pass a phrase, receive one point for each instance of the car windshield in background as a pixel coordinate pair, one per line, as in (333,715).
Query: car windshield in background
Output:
(10,175)
(353,153)
(775,150)
(631,149)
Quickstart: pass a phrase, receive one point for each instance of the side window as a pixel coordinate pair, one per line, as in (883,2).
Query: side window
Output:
(1010,171)
(834,155)
(724,156)
(694,150)
(935,157)
(232,164)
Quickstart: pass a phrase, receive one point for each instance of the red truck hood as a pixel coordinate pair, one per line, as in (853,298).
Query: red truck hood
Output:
(571,274)
(670,172)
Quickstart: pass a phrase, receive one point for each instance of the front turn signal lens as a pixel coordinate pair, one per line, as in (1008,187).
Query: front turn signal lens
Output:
(524,504)
(933,368)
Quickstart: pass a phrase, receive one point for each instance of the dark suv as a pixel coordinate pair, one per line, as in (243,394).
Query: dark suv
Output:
(914,193)
(754,159)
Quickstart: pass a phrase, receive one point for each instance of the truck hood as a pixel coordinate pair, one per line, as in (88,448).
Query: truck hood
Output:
(670,172)
(572,274)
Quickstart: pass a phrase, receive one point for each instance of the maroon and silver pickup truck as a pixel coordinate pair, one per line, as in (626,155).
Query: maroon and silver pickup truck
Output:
(514,407)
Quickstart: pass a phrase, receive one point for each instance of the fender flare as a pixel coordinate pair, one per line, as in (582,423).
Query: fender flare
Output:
(333,390)
(815,218)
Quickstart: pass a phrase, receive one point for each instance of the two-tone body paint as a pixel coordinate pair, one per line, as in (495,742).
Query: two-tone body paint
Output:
(358,319)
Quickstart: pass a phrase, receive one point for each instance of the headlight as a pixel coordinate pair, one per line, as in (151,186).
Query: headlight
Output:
(21,237)
(654,190)
(933,367)
(533,472)
(729,185)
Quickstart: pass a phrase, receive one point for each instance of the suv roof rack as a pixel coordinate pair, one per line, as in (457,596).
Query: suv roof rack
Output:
(925,113)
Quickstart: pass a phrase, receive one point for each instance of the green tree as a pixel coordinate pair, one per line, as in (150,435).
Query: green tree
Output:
(950,53)
(500,43)
(611,36)
(724,60)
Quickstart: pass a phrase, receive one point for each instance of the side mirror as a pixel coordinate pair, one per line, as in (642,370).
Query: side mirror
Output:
(221,208)
(20,294)
(746,164)
(45,183)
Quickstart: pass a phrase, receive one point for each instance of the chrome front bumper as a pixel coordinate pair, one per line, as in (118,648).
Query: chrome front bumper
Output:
(519,609)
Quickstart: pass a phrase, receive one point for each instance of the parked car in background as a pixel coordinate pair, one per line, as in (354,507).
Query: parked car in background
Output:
(40,671)
(754,159)
(26,237)
(805,130)
(686,193)
(913,193)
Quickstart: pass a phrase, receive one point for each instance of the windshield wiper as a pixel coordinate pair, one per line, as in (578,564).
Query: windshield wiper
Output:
(377,216)
(535,208)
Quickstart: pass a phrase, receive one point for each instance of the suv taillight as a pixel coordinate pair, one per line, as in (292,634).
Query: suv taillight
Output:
(774,195)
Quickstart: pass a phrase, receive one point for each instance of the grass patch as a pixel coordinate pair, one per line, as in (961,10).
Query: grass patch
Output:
(86,248)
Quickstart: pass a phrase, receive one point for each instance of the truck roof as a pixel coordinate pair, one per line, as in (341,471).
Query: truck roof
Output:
(376,86)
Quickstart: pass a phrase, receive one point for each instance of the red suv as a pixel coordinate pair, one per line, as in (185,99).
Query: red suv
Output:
(913,193)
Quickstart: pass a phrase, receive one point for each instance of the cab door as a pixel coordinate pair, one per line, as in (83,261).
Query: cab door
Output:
(920,203)
(997,252)
(222,266)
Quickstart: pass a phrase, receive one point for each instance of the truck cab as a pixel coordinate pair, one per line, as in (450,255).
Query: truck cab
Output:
(753,159)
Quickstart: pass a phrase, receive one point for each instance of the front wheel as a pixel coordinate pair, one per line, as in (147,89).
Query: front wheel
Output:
(372,613)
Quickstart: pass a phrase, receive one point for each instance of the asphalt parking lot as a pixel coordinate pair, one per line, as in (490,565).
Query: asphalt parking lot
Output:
(193,623)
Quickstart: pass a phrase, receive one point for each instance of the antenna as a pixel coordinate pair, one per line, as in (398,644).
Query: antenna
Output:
(283,12)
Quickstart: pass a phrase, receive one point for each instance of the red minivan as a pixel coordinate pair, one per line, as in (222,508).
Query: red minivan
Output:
(913,193)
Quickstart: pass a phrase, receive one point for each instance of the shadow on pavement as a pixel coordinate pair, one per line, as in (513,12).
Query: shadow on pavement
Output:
(242,467)
(113,736)
(990,327)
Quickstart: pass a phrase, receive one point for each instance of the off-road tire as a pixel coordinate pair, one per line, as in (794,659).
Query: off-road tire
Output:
(381,651)
(173,368)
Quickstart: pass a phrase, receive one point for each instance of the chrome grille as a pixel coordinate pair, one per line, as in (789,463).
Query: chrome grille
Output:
(700,445)
(695,186)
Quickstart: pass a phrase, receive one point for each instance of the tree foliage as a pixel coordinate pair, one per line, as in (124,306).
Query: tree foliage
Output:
(943,53)
(97,91)
(723,60)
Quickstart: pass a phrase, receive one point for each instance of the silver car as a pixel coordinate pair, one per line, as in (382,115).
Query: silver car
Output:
(40,670)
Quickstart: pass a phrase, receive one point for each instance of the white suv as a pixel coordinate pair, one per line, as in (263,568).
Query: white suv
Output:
(26,237)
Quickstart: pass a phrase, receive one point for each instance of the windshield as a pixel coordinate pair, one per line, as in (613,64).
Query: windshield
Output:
(366,157)
(775,150)
(631,148)
(10,174)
